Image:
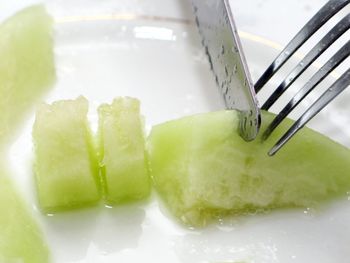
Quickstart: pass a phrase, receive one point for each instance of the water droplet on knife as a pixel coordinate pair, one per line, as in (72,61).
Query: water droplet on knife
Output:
(235,68)
(222,49)
(226,71)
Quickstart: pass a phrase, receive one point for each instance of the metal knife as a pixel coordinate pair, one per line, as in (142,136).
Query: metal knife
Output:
(222,45)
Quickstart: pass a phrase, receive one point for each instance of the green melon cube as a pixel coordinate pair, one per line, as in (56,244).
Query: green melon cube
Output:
(203,169)
(122,151)
(20,237)
(26,64)
(66,166)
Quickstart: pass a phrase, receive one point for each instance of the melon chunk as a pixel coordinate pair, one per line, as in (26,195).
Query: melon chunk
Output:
(26,72)
(21,239)
(203,169)
(122,151)
(66,165)
(26,64)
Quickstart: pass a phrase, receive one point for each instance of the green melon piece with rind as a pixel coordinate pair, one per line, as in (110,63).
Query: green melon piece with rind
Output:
(26,64)
(203,169)
(21,239)
(66,165)
(122,151)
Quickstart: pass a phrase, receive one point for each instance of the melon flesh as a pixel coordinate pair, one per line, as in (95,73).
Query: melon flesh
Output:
(122,151)
(26,71)
(20,237)
(203,169)
(26,64)
(66,165)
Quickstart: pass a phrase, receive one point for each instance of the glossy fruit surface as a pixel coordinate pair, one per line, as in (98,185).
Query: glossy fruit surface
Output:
(66,165)
(203,169)
(26,64)
(122,151)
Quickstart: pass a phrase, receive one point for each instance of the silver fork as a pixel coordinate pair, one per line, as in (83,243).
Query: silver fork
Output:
(318,20)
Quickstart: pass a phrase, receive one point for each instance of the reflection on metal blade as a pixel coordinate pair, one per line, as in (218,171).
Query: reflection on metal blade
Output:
(221,42)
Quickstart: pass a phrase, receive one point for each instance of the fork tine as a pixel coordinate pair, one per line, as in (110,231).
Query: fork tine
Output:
(340,85)
(323,72)
(339,29)
(320,18)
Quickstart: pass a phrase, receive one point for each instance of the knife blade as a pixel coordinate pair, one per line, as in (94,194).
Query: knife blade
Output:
(220,39)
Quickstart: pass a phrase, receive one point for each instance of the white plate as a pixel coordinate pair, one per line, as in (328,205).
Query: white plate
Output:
(149,51)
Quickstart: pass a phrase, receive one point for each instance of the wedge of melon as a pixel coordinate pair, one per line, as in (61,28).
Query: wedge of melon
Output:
(122,151)
(26,64)
(26,72)
(66,166)
(203,169)
(20,237)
